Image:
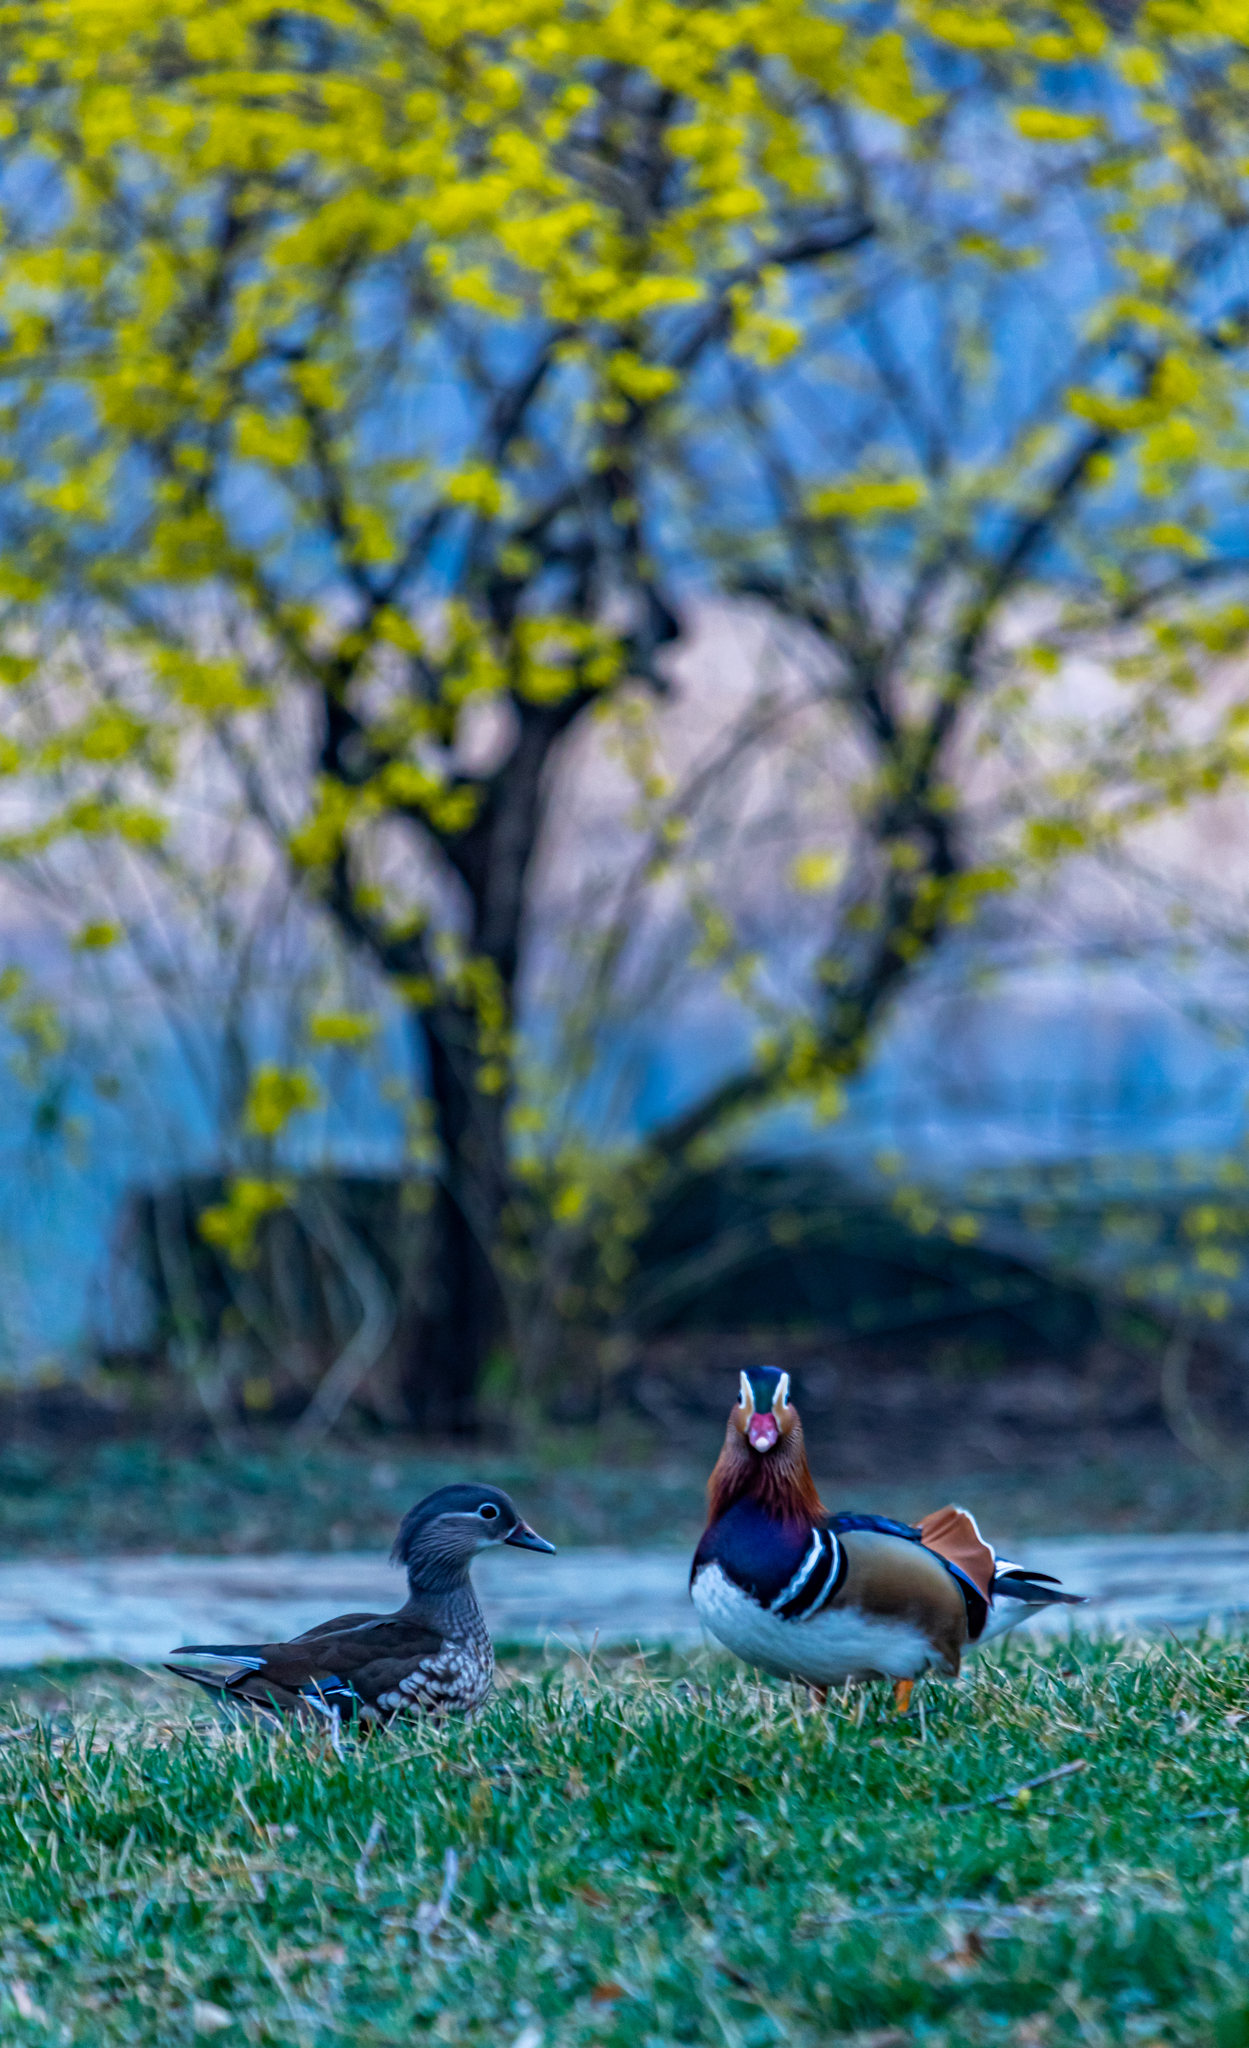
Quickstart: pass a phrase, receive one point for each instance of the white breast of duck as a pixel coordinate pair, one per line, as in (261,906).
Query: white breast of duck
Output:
(855,1596)
(833,1645)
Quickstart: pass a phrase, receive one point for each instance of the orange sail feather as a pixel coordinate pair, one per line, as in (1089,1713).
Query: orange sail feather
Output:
(953,1534)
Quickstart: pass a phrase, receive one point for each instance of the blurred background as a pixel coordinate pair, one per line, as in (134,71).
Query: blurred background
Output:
(624,679)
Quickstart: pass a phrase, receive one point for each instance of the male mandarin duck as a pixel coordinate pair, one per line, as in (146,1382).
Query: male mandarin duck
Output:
(824,1598)
(434,1656)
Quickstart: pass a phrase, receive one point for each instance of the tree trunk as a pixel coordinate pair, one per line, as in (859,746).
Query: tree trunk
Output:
(462,1314)
(465,1316)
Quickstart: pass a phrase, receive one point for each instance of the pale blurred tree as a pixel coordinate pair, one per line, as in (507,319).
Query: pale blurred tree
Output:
(376,378)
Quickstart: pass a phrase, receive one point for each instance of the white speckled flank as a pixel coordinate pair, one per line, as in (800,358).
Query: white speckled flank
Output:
(824,1648)
(457,1679)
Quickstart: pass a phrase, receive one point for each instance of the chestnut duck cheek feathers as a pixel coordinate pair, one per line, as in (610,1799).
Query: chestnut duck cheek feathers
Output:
(823,1598)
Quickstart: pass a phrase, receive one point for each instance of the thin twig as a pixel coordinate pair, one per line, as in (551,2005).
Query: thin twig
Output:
(429,1917)
(368,1340)
(930,1908)
(480,1773)
(1183,1420)
(377,1828)
(1014,1791)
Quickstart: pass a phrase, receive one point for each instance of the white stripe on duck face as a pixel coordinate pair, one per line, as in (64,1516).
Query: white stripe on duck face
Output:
(823,1648)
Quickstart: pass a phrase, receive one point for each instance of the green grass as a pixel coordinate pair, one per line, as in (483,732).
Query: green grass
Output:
(644,1854)
(138,1494)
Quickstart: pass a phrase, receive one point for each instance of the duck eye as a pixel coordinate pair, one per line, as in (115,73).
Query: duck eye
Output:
(488,1511)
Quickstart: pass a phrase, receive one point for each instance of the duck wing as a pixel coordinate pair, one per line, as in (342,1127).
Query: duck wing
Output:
(343,1666)
(1006,1591)
(950,1535)
(953,1534)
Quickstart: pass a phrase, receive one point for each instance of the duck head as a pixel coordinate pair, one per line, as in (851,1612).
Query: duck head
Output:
(763,1452)
(764,1413)
(439,1538)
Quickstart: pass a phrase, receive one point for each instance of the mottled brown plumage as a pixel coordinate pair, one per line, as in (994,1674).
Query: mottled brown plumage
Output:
(433,1656)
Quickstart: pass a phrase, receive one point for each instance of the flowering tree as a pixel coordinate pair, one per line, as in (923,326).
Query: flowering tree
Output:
(377,381)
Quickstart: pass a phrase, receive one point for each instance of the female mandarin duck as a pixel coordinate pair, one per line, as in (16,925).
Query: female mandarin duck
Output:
(823,1598)
(434,1656)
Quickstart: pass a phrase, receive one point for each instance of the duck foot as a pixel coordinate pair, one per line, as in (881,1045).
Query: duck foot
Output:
(902,1690)
(819,1695)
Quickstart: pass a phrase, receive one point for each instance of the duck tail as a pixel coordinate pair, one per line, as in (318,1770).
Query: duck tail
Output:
(1018,1594)
(1035,1589)
(213,1686)
(234,1706)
